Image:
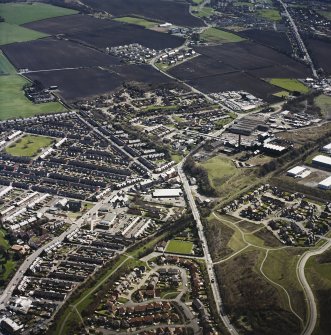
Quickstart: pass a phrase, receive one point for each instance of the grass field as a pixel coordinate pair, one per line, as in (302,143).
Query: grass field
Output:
(180,247)
(226,178)
(11,33)
(219,36)
(324,103)
(5,66)
(289,84)
(326,14)
(14,103)
(138,21)
(270,14)
(20,13)
(282,94)
(203,12)
(29,145)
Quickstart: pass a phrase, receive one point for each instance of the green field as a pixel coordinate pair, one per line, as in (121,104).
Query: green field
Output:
(326,14)
(198,2)
(14,103)
(203,11)
(270,14)
(180,247)
(226,178)
(5,66)
(20,13)
(29,145)
(219,36)
(137,21)
(282,94)
(289,84)
(11,33)
(324,103)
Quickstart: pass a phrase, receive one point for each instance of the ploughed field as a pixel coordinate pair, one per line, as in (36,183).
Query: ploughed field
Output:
(239,66)
(50,53)
(274,39)
(163,10)
(104,33)
(82,83)
(320,52)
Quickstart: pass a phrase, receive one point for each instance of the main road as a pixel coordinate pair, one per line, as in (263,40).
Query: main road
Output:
(207,256)
(312,309)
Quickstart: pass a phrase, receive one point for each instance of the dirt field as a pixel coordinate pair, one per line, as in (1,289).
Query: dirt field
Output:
(50,53)
(270,38)
(164,10)
(76,84)
(320,52)
(236,66)
(105,33)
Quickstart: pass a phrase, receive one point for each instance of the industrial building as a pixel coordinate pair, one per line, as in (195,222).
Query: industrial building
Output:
(327,149)
(325,184)
(322,162)
(298,172)
(167,193)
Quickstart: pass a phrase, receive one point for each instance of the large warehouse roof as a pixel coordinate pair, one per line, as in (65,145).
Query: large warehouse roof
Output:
(322,159)
(296,170)
(326,183)
(167,193)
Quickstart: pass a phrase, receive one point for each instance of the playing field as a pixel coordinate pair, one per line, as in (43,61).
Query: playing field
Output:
(180,247)
(10,33)
(5,66)
(136,20)
(289,84)
(219,36)
(14,103)
(203,11)
(29,145)
(20,13)
(270,14)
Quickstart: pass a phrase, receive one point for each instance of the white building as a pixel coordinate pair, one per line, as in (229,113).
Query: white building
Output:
(167,193)
(325,184)
(298,172)
(327,149)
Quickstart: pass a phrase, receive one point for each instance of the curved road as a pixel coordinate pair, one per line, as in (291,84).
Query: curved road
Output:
(312,309)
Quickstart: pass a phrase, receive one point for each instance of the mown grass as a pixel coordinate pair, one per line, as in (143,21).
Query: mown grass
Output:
(11,33)
(180,247)
(219,36)
(270,14)
(137,21)
(291,85)
(29,145)
(14,104)
(5,66)
(203,12)
(324,103)
(20,13)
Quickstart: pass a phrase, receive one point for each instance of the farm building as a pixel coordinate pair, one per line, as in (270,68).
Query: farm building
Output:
(323,162)
(274,148)
(325,184)
(167,193)
(327,149)
(298,172)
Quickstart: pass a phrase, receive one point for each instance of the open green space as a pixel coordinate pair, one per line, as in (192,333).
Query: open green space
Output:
(14,104)
(270,14)
(20,13)
(282,94)
(202,11)
(289,84)
(11,33)
(226,179)
(219,36)
(5,66)
(324,103)
(326,14)
(198,2)
(138,21)
(180,247)
(29,145)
